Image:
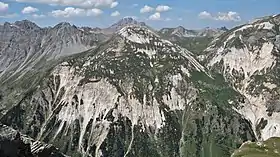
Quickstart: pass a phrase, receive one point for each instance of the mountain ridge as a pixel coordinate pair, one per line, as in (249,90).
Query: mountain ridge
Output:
(180,32)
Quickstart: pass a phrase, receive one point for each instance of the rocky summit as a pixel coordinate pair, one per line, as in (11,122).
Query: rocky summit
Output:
(88,92)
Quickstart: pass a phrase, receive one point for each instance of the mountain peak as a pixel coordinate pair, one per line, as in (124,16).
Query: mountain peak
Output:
(26,24)
(125,22)
(224,28)
(180,27)
(128,19)
(137,34)
(63,25)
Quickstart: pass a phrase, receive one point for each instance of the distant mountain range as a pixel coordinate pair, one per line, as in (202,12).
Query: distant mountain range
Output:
(182,32)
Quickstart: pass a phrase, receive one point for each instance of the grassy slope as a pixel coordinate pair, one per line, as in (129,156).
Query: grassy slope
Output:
(268,148)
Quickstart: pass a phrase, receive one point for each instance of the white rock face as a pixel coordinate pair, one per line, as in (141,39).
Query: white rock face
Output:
(255,110)
(254,58)
(99,98)
(137,34)
(247,61)
(91,103)
(270,85)
(266,25)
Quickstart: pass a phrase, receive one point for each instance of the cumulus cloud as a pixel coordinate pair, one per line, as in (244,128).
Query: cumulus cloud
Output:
(205,15)
(29,10)
(155,16)
(3,7)
(114,4)
(94,12)
(221,16)
(69,12)
(116,13)
(74,12)
(77,3)
(146,9)
(163,8)
(230,16)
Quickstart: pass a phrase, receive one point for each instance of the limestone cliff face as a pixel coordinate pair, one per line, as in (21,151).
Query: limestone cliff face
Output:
(248,57)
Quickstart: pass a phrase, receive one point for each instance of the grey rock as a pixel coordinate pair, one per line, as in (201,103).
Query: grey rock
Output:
(182,32)
(13,144)
(125,22)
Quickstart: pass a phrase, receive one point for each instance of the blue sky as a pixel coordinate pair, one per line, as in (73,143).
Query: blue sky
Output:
(192,14)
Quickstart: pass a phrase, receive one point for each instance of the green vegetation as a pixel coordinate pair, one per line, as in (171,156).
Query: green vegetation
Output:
(214,89)
(268,148)
(194,44)
(213,128)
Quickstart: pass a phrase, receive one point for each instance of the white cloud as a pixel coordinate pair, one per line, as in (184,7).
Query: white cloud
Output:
(29,10)
(146,9)
(162,8)
(229,16)
(135,5)
(3,7)
(155,16)
(69,12)
(74,12)
(205,15)
(76,3)
(38,16)
(180,19)
(114,4)
(116,13)
(94,12)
